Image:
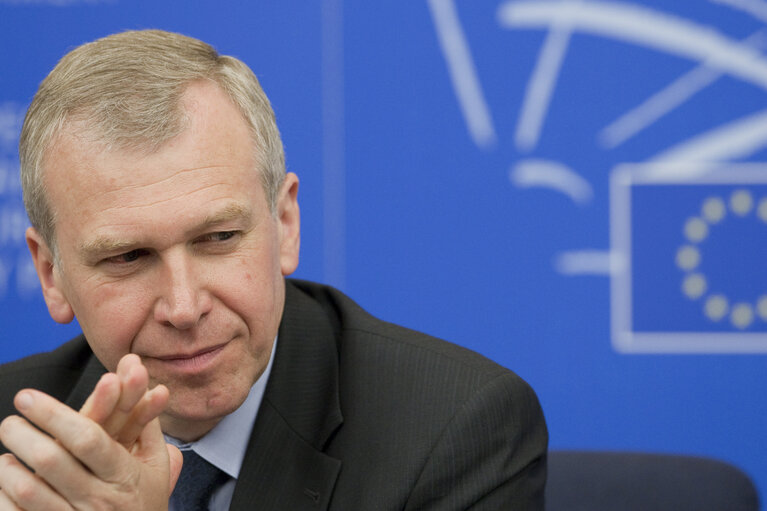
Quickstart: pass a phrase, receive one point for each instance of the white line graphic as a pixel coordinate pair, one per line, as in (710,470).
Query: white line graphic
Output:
(737,139)
(553,175)
(541,85)
(667,99)
(463,73)
(587,262)
(756,8)
(621,322)
(645,27)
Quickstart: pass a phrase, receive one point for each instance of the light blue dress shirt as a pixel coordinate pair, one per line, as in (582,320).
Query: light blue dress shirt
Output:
(224,445)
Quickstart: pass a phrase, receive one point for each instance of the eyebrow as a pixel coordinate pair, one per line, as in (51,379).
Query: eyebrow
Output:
(234,211)
(94,248)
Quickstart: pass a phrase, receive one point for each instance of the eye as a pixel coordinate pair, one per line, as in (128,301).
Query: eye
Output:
(219,242)
(127,257)
(219,236)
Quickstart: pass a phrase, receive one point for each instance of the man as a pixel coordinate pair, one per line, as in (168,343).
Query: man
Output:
(163,219)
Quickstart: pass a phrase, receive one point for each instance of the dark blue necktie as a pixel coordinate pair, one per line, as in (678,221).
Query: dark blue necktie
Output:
(197,482)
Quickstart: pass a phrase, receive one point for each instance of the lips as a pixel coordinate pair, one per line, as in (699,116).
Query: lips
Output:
(195,361)
(197,353)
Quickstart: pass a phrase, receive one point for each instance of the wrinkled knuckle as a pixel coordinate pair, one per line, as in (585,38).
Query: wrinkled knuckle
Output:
(87,442)
(50,414)
(23,491)
(44,460)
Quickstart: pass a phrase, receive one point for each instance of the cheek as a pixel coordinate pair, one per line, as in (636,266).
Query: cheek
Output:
(111,317)
(254,291)
(257,266)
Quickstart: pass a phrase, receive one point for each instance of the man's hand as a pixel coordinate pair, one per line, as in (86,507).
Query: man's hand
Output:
(111,455)
(122,403)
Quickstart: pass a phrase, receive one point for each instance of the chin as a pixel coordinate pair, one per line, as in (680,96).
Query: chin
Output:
(203,405)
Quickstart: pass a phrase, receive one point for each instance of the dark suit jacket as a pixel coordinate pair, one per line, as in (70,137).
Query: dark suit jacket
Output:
(358,415)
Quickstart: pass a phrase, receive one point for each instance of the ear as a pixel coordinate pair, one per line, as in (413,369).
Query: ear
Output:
(289,224)
(50,281)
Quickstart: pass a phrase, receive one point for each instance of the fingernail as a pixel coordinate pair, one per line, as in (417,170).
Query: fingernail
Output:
(24,400)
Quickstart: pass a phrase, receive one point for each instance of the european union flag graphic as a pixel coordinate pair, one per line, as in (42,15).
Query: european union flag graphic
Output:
(689,245)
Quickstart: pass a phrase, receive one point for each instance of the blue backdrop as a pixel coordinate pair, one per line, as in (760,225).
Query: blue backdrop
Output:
(569,187)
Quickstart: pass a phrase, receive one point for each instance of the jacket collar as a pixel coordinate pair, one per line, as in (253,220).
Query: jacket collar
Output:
(284,466)
(90,376)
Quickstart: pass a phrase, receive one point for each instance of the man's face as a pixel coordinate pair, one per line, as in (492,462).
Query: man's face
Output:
(173,256)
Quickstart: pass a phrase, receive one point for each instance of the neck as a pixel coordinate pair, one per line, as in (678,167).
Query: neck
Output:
(185,430)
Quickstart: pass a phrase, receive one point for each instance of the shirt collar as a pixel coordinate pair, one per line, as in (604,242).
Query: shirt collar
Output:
(224,446)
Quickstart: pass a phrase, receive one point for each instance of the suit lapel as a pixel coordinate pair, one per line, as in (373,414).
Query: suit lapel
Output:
(284,466)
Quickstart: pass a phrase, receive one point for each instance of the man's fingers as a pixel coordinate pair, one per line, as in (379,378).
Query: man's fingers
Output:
(103,400)
(151,406)
(121,403)
(79,462)
(134,380)
(6,504)
(54,467)
(79,436)
(21,489)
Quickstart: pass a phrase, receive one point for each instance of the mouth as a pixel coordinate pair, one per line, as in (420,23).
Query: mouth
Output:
(194,362)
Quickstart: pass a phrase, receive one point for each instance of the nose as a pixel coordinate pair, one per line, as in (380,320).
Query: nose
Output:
(183,300)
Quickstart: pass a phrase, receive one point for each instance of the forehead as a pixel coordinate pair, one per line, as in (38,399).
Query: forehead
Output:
(210,161)
(205,114)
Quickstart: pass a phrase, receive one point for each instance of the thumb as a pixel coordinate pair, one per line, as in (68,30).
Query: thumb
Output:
(150,446)
(176,461)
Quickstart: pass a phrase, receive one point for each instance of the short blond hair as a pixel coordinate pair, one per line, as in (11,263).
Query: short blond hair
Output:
(126,89)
